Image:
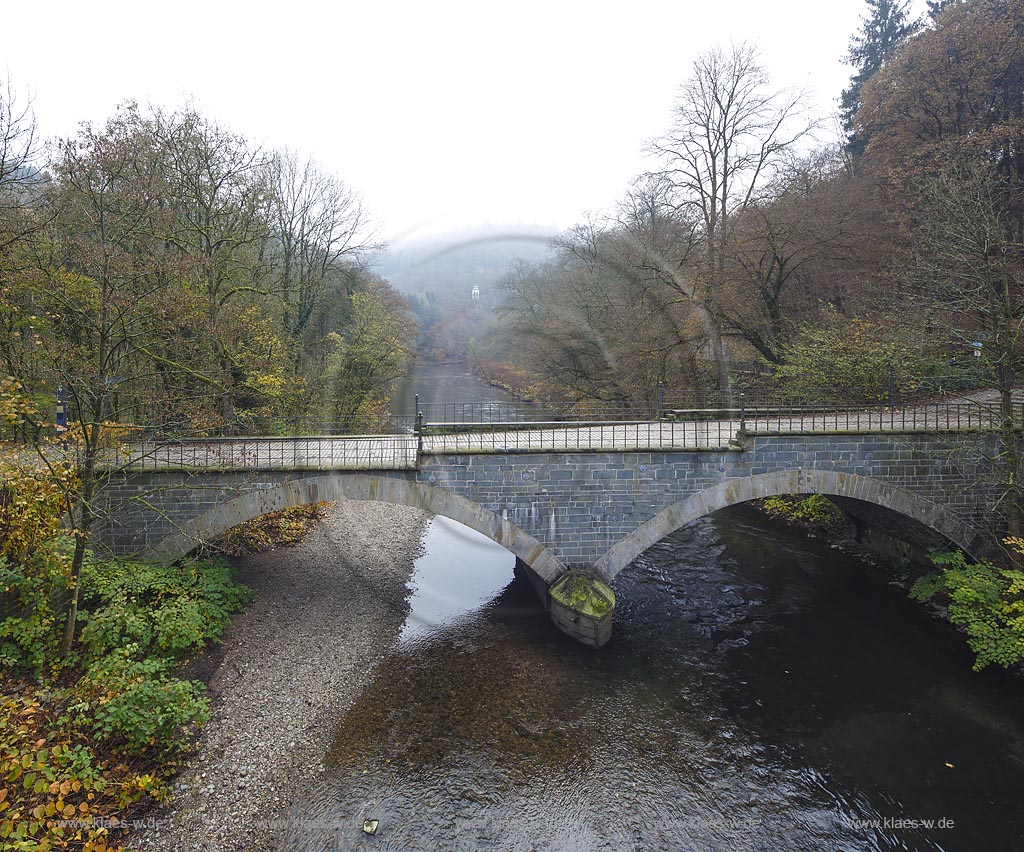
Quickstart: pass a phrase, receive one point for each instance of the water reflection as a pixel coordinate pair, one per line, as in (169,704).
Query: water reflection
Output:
(458,572)
(761,692)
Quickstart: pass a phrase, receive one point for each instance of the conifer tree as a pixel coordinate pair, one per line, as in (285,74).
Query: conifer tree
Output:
(886,25)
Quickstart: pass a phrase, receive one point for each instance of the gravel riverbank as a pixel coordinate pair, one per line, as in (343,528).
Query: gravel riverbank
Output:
(325,612)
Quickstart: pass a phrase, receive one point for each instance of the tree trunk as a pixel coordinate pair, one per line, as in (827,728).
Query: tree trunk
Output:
(716,348)
(86,516)
(1009,455)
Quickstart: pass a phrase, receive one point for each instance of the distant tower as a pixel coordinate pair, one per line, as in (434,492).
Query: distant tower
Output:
(475,293)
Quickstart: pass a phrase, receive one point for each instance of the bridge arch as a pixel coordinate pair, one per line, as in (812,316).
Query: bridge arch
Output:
(802,481)
(344,486)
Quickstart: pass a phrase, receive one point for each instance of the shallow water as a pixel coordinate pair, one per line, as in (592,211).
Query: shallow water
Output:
(761,692)
(460,571)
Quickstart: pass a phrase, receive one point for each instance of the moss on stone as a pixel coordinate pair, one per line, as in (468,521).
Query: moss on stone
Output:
(584,593)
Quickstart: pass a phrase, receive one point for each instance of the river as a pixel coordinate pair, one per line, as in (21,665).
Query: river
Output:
(761,692)
(443,383)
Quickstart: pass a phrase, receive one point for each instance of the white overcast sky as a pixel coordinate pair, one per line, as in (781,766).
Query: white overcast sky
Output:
(442,115)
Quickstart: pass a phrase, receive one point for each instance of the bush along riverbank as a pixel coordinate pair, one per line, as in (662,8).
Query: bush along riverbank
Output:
(86,741)
(983,600)
(90,739)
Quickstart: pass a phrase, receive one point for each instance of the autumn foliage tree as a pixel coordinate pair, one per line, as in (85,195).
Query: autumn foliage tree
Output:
(954,86)
(151,275)
(945,122)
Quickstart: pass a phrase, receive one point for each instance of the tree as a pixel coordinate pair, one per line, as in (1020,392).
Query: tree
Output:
(969,259)
(936,7)
(319,224)
(102,287)
(588,327)
(20,179)
(217,192)
(886,26)
(788,254)
(21,219)
(957,86)
(729,136)
(363,364)
(164,272)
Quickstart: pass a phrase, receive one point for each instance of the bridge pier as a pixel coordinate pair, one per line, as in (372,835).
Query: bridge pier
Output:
(579,604)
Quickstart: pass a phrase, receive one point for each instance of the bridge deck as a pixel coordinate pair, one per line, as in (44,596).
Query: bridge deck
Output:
(401,452)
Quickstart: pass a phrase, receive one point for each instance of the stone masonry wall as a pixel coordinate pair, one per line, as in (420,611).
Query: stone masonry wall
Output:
(583,506)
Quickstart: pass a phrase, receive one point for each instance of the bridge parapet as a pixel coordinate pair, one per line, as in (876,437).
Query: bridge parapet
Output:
(675,429)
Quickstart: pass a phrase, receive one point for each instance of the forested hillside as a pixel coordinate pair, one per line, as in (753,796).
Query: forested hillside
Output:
(161,270)
(758,252)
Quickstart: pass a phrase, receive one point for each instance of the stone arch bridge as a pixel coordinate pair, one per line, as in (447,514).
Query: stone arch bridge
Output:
(561,508)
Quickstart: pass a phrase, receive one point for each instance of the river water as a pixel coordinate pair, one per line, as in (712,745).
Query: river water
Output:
(761,692)
(438,384)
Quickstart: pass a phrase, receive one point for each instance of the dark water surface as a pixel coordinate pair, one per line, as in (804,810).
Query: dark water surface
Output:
(762,692)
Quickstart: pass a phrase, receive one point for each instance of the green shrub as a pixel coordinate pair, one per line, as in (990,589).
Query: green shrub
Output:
(34,563)
(988,602)
(814,510)
(849,359)
(136,703)
(166,611)
(32,590)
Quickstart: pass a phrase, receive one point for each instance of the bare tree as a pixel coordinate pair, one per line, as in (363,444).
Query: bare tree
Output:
(789,253)
(20,154)
(970,259)
(728,139)
(590,325)
(319,224)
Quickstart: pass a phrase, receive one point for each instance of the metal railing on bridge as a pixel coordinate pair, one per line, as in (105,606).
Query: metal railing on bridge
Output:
(680,421)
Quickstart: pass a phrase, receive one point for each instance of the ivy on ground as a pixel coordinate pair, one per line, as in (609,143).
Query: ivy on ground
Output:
(58,792)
